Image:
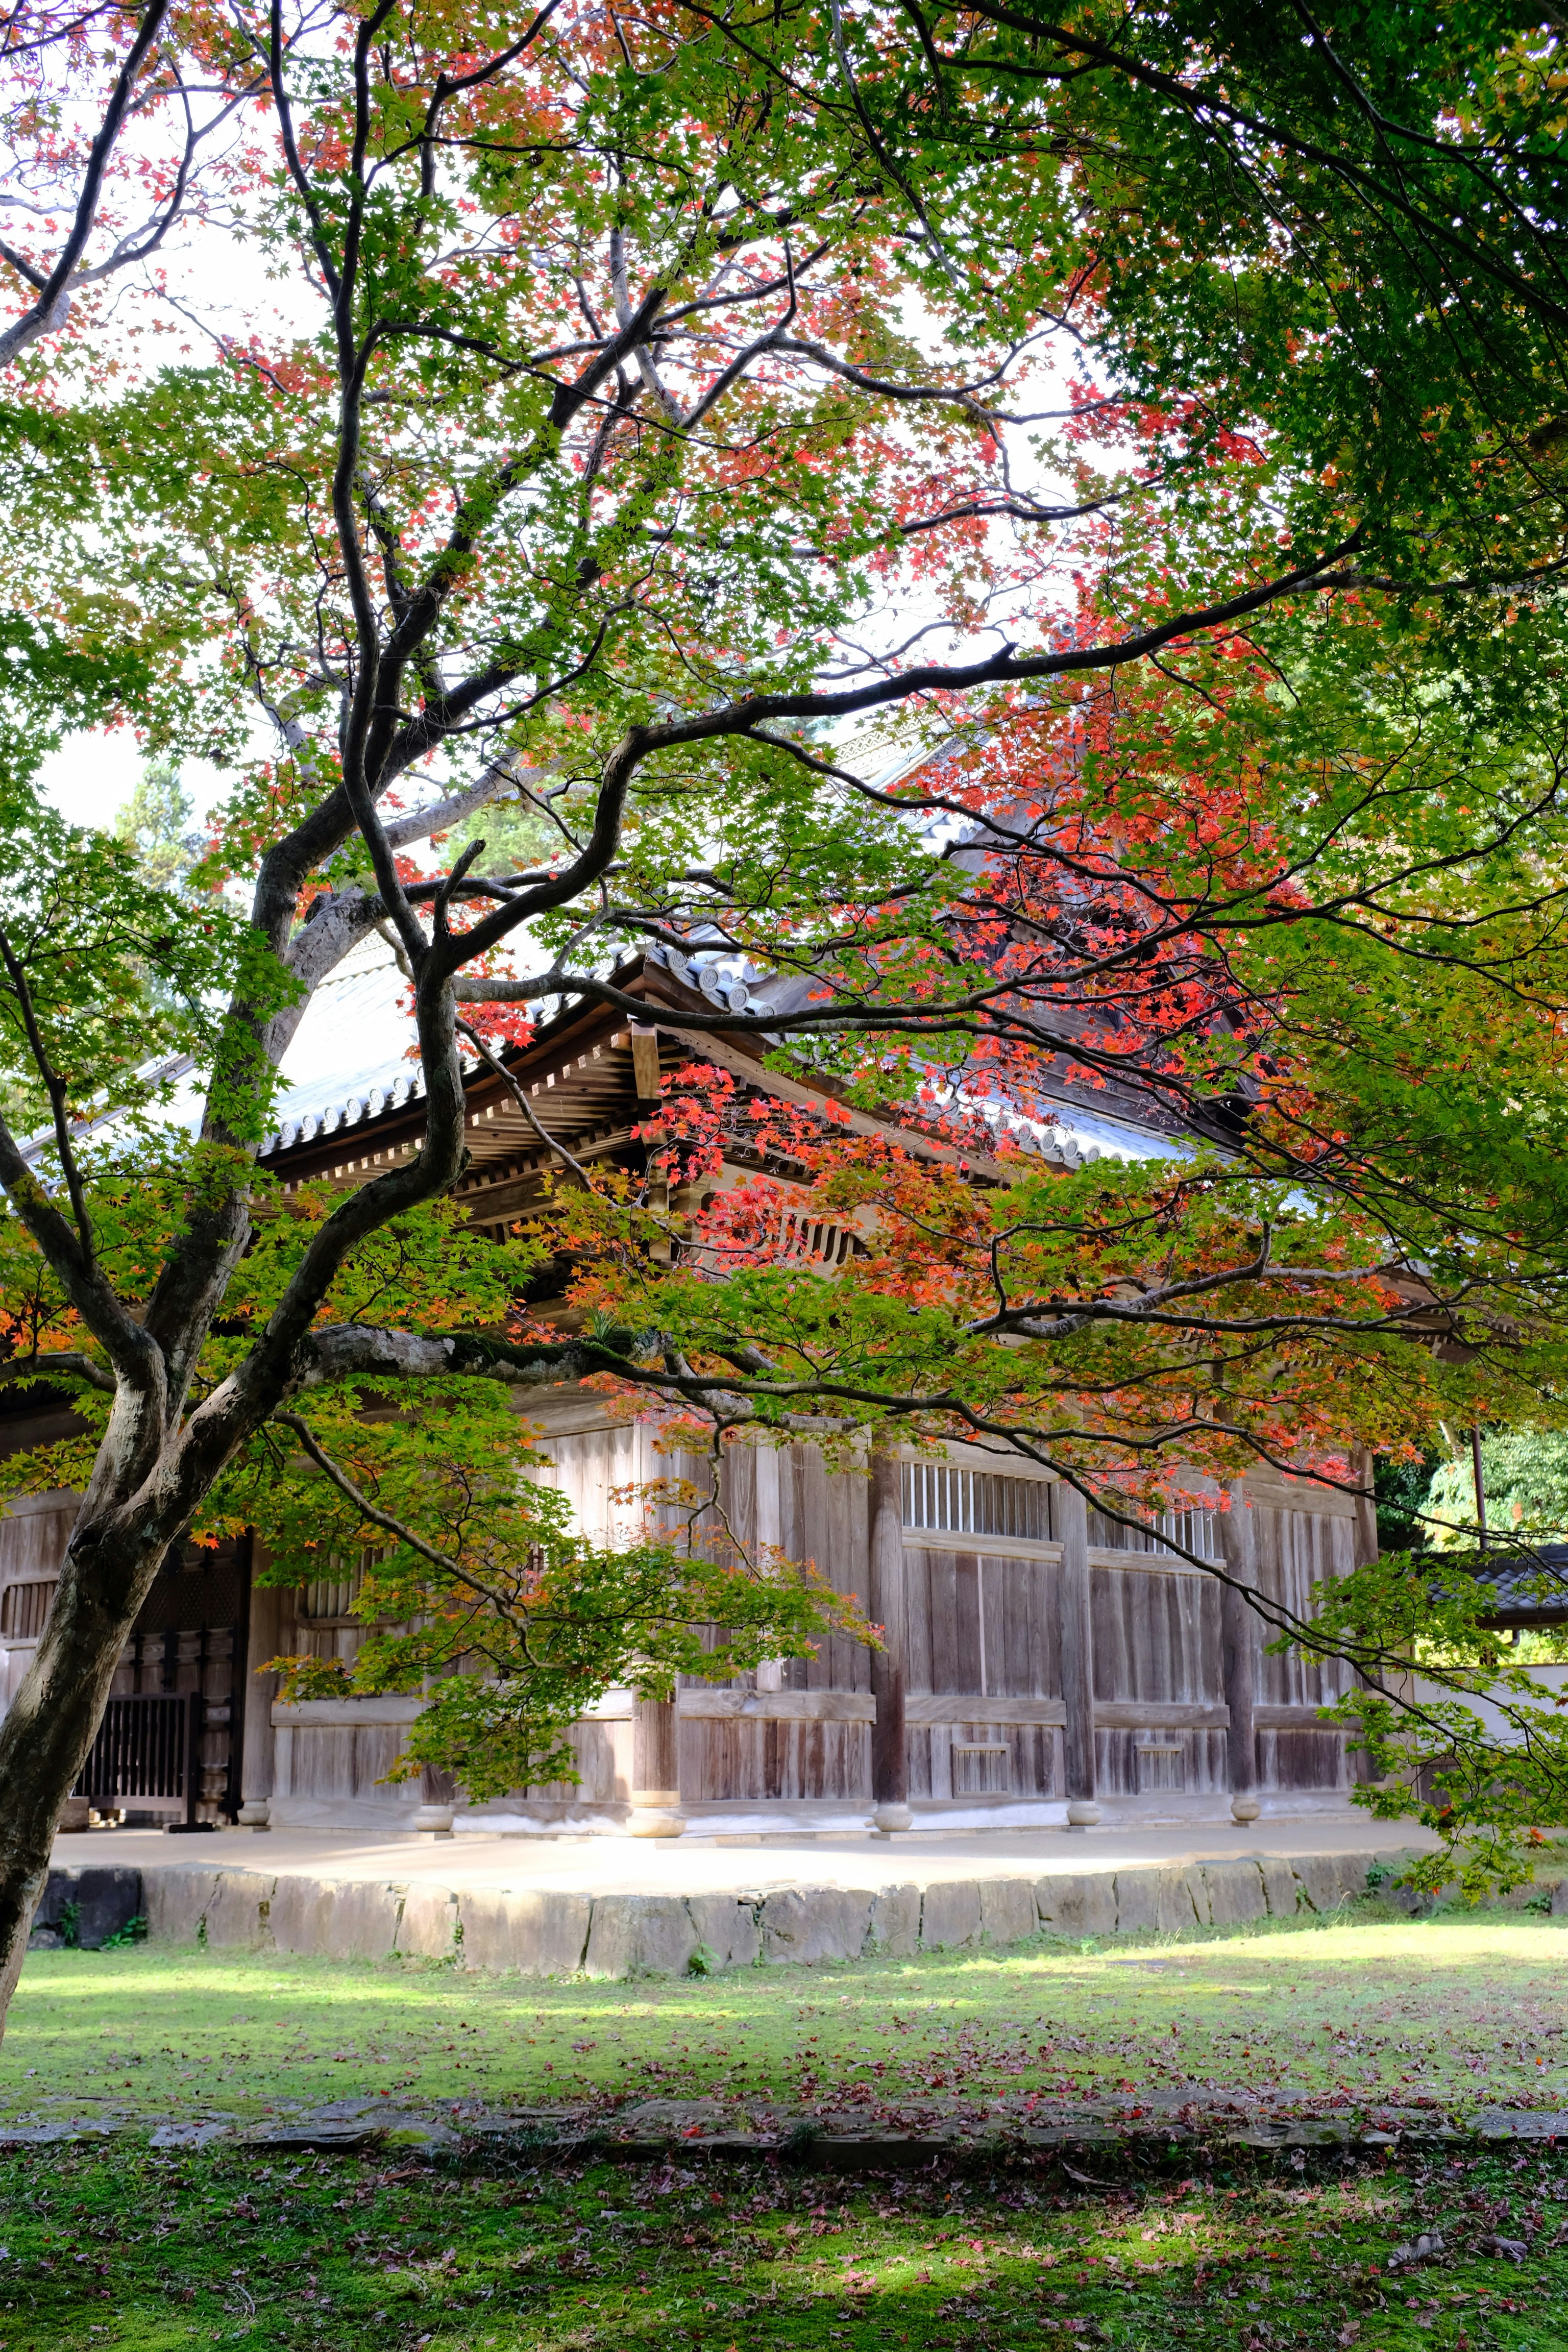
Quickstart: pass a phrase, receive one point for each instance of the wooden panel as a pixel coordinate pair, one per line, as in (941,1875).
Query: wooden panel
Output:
(1288,1718)
(312,1713)
(1155,1637)
(1302,1761)
(1295,1551)
(1302,1501)
(844,1553)
(33,1537)
(966,1666)
(1033,1766)
(589,1464)
(946,1587)
(826,1520)
(323,1761)
(940,1707)
(772,1757)
(340,1762)
(821,1519)
(375,1751)
(25,1609)
(984,1458)
(1205,1765)
(1147,1563)
(931,1759)
(917,1620)
(1156,1715)
(722,1700)
(1022,1627)
(996,1546)
(948,1584)
(602,1752)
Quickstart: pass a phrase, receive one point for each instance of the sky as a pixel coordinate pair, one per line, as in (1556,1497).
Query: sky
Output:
(92,775)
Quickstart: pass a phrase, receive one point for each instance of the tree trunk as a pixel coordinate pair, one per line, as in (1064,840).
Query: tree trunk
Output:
(53,1720)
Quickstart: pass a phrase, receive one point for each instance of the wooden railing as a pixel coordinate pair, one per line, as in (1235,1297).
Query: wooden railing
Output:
(147,1745)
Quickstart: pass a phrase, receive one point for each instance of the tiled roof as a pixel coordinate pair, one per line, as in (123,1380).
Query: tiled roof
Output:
(349,1062)
(345,1064)
(1528,1582)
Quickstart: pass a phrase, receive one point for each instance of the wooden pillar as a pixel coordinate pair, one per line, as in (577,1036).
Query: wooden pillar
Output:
(1355,1764)
(252,1701)
(1365,1506)
(767,1532)
(1076,1636)
(656,1769)
(888,1606)
(1239,1655)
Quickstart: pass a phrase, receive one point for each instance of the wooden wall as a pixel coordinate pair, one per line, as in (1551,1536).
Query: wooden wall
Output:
(1295,1549)
(985,1705)
(33,1538)
(798,1740)
(186,1637)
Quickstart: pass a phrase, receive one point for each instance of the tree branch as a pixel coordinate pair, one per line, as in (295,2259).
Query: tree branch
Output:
(361,1502)
(54,296)
(62,1363)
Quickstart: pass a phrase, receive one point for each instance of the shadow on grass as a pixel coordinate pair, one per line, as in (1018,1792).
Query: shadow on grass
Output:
(159,2253)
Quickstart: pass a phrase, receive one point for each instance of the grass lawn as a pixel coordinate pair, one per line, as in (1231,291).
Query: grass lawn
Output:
(1466,2009)
(123,2246)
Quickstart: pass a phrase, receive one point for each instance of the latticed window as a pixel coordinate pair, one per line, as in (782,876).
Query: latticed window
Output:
(330,1600)
(1195,1531)
(817,1238)
(976,1502)
(24,1610)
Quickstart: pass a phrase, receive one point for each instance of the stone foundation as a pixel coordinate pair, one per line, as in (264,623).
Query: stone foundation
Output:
(539,1932)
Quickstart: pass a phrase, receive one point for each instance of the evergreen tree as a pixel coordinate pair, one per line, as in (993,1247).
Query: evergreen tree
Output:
(155,823)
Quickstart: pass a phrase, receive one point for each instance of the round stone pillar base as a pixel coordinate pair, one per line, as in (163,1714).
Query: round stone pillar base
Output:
(655,1813)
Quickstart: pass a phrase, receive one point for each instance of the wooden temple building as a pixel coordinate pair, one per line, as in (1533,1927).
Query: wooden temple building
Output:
(1038,1656)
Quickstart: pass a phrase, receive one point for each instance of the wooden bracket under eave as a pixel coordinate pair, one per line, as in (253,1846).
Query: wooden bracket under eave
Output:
(646,1074)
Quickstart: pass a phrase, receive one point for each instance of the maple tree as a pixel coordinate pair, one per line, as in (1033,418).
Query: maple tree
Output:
(1043,540)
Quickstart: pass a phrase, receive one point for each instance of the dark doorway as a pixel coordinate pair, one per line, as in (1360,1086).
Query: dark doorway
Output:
(168,1751)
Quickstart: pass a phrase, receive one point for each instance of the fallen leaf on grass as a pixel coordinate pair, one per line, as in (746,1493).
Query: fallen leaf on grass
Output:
(1427,2248)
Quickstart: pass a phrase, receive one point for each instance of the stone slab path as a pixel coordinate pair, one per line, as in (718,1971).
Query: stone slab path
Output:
(823,2138)
(604,1865)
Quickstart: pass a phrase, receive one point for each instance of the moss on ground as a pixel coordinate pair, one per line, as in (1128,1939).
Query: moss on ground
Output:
(139,2252)
(1466,2009)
